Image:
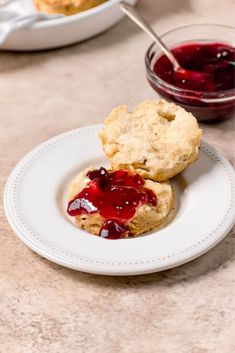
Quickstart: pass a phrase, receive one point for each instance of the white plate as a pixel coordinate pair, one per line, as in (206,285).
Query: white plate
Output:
(67,30)
(35,205)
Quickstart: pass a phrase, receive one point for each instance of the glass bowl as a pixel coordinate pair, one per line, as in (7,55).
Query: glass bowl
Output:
(205,106)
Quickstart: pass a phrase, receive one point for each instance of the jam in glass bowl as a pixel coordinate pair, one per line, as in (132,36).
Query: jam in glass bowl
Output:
(208,51)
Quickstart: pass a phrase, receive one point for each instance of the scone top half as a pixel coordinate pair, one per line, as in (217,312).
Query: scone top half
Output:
(158,139)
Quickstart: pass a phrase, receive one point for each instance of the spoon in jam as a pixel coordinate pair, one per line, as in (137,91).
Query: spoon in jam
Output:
(182,75)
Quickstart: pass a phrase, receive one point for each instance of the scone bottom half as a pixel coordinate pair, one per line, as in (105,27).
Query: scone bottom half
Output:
(158,139)
(118,204)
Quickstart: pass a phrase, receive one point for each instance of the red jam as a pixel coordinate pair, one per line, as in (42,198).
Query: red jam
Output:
(116,196)
(209,67)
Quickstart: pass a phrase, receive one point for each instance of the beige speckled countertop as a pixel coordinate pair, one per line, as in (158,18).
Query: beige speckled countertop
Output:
(45,308)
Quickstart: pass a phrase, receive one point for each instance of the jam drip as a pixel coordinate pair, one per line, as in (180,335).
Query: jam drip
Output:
(208,67)
(116,196)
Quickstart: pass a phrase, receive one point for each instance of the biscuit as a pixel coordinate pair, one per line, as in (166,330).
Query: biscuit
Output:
(146,218)
(66,7)
(158,139)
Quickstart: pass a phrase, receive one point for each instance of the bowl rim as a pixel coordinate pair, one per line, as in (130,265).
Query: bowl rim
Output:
(208,97)
(79,16)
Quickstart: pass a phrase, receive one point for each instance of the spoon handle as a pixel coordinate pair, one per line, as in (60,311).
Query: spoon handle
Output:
(131,12)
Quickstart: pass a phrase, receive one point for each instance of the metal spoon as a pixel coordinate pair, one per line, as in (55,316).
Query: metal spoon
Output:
(181,75)
(131,12)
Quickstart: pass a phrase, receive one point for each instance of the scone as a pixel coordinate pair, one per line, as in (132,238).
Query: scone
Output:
(66,7)
(118,204)
(158,139)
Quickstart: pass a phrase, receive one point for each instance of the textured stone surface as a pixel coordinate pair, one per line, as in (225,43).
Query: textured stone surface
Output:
(45,308)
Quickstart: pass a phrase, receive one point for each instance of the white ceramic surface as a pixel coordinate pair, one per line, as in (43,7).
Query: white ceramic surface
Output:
(67,30)
(35,205)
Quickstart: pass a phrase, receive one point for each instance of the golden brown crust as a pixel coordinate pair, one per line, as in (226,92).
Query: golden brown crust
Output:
(158,139)
(66,7)
(146,218)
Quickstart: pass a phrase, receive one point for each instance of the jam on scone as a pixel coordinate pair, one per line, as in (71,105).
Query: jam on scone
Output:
(118,204)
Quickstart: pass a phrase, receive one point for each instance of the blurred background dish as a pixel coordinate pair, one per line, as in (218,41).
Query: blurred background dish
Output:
(63,31)
(66,7)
